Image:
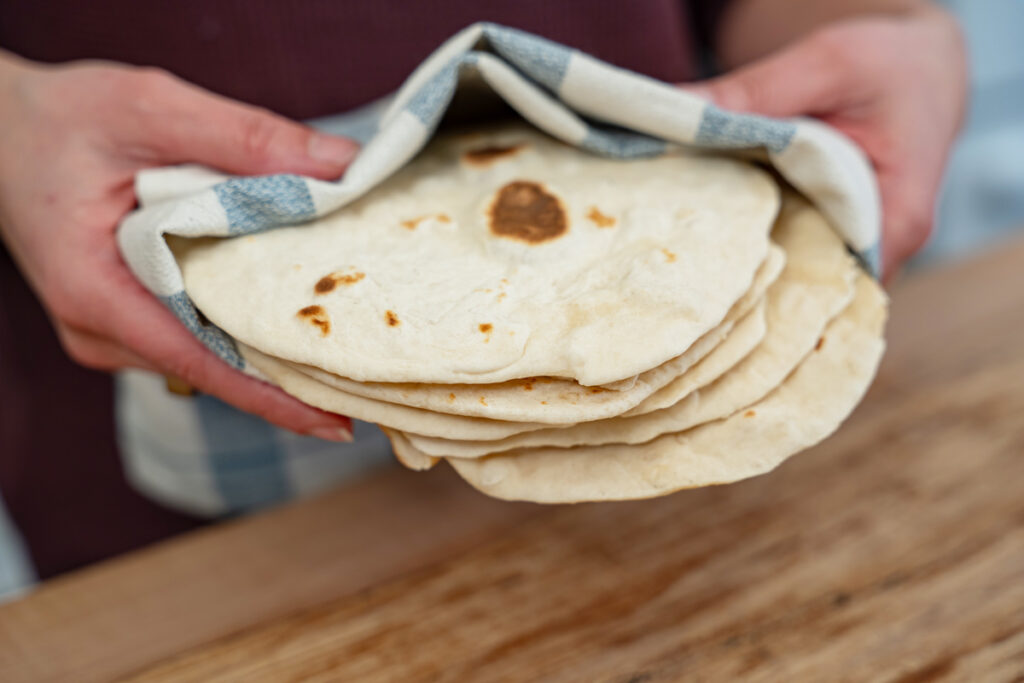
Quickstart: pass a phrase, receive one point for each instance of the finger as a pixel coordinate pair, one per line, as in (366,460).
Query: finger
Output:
(802,79)
(147,328)
(97,353)
(908,212)
(188,359)
(189,124)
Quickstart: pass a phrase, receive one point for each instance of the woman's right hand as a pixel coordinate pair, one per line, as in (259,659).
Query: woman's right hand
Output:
(74,137)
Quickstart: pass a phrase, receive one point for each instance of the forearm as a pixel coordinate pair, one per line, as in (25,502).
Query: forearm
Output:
(750,29)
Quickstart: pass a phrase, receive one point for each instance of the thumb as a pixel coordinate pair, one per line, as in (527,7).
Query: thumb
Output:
(802,79)
(192,125)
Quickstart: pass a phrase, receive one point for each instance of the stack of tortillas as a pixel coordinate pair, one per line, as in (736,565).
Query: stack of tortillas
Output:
(558,326)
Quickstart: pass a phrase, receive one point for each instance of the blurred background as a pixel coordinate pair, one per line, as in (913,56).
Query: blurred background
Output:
(981,204)
(982,200)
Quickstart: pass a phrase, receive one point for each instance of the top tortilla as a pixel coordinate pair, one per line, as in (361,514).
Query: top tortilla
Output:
(558,401)
(498,256)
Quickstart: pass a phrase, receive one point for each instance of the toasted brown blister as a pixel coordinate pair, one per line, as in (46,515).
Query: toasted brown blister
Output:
(316,316)
(485,156)
(327,283)
(526,211)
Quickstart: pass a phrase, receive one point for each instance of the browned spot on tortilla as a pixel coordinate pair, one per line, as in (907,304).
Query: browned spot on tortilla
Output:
(485,156)
(413,222)
(317,316)
(525,211)
(392,319)
(350,278)
(596,390)
(528,382)
(501,296)
(451,398)
(543,403)
(600,219)
(486,327)
(483,402)
(821,343)
(669,256)
(328,282)
(750,413)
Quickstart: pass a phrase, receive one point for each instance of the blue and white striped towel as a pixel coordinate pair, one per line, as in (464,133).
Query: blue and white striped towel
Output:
(568,94)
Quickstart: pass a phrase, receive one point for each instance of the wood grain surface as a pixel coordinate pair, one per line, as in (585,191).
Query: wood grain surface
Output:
(892,552)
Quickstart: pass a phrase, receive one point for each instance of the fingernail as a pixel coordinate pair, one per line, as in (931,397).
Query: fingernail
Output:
(333,150)
(332,434)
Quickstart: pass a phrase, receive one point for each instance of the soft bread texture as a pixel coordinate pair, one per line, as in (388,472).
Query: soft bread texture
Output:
(417,420)
(808,406)
(557,401)
(499,256)
(816,284)
(425,422)
(408,455)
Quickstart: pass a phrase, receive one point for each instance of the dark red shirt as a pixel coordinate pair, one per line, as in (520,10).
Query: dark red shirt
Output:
(308,58)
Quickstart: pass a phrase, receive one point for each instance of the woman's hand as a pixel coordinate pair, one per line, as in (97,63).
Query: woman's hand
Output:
(74,137)
(896,84)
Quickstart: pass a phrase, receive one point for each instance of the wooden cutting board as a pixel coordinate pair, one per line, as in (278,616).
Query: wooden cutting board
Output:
(894,551)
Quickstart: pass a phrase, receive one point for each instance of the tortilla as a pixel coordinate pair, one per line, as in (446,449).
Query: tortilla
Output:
(428,423)
(816,284)
(802,411)
(554,401)
(499,257)
(320,395)
(406,454)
